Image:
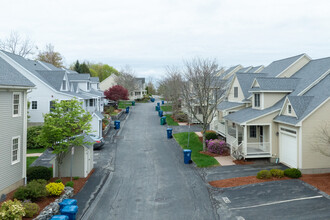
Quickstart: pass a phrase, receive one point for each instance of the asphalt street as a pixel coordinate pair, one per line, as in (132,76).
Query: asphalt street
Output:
(149,179)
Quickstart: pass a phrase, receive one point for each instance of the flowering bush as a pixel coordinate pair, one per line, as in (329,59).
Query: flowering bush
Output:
(12,210)
(55,189)
(217,147)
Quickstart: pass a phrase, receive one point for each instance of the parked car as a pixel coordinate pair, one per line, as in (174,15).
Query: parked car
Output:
(112,103)
(99,141)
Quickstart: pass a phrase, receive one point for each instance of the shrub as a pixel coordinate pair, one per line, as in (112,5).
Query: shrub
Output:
(264,174)
(11,210)
(33,191)
(277,173)
(292,173)
(31,209)
(58,181)
(32,139)
(181,117)
(211,135)
(39,172)
(55,189)
(70,183)
(110,110)
(76,178)
(217,147)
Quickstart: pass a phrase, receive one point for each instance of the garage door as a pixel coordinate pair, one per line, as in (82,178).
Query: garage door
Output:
(288,147)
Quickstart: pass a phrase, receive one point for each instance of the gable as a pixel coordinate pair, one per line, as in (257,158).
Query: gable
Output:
(285,109)
(295,67)
(231,93)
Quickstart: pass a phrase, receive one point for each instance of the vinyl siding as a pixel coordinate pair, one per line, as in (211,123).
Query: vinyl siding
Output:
(311,159)
(295,68)
(10,127)
(231,97)
(271,98)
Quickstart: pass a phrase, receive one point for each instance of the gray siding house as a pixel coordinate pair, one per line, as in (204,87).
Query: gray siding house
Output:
(13,127)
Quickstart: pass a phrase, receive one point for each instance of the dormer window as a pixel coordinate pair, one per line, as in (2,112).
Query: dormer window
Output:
(64,85)
(235,92)
(88,86)
(289,109)
(257,100)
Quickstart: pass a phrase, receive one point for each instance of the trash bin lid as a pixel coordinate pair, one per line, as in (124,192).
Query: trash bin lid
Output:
(68,202)
(187,151)
(60,217)
(70,209)
(164,117)
(117,121)
(169,129)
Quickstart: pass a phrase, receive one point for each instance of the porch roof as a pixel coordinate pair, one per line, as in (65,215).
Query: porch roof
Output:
(228,105)
(248,114)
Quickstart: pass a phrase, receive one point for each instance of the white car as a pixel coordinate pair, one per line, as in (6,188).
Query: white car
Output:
(99,141)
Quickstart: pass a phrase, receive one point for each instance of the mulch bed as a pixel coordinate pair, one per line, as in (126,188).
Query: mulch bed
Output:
(213,154)
(78,185)
(243,162)
(320,181)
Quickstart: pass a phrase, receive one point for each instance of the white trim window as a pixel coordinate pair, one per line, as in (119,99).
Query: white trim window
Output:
(235,92)
(257,100)
(91,102)
(16,104)
(15,150)
(34,105)
(64,85)
(253,131)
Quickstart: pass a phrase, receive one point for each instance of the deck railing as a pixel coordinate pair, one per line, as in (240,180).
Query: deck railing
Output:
(258,148)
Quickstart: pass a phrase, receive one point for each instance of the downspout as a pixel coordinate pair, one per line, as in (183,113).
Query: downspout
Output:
(24,134)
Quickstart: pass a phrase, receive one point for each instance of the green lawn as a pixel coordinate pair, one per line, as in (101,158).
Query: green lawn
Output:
(170,120)
(29,161)
(143,101)
(166,108)
(196,146)
(37,150)
(124,104)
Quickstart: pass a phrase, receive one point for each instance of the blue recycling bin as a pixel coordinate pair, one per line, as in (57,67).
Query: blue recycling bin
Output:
(162,102)
(187,156)
(70,211)
(169,133)
(59,217)
(66,202)
(158,103)
(127,109)
(158,108)
(160,113)
(133,103)
(117,124)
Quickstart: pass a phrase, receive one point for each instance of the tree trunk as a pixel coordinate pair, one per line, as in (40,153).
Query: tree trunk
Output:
(204,140)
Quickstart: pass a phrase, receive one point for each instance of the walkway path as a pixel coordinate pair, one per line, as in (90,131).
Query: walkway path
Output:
(150,180)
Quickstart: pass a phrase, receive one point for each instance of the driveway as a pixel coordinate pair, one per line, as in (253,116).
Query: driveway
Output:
(150,180)
(286,199)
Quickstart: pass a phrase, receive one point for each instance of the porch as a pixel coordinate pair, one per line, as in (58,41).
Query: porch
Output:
(253,141)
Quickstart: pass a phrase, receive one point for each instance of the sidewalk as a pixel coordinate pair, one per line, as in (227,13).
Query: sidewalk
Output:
(34,155)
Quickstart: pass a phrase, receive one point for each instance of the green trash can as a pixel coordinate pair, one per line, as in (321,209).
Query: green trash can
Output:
(156,107)
(163,120)
(133,103)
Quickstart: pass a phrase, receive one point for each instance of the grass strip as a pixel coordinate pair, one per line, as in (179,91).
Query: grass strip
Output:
(170,121)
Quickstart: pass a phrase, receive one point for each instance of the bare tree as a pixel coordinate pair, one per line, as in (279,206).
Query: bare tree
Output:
(49,55)
(202,91)
(322,139)
(127,79)
(18,44)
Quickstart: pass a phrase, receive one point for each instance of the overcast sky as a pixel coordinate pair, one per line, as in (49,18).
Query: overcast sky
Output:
(150,34)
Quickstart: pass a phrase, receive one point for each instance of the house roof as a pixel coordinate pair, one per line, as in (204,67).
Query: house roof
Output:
(278,66)
(95,79)
(228,105)
(50,66)
(99,114)
(228,71)
(9,76)
(304,105)
(254,69)
(245,69)
(77,77)
(53,78)
(141,79)
(249,114)
(245,80)
(275,84)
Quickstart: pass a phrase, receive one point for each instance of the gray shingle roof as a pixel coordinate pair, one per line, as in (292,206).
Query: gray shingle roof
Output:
(95,79)
(228,105)
(275,84)
(254,69)
(77,77)
(9,76)
(278,66)
(50,66)
(99,114)
(245,80)
(228,71)
(53,78)
(245,69)
(141,79)
(248,114)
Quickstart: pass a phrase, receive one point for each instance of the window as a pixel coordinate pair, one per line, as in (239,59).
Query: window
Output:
(235,92)
(88,86)
(51,106)
(34,105)
(16,104)
(289,109)
(256,100)
(15,150)
(64,85)
(253,131)
(91,102)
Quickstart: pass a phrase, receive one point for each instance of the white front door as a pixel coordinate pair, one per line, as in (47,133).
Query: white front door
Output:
(288,148)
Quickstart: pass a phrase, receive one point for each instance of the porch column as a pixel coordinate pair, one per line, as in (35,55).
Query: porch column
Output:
(245,140)
(236,129)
